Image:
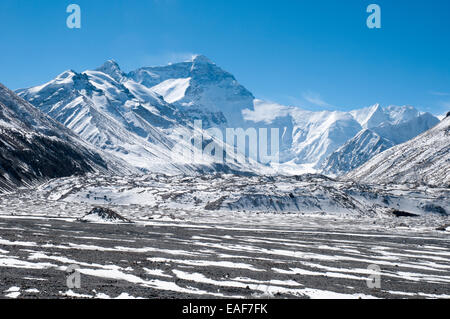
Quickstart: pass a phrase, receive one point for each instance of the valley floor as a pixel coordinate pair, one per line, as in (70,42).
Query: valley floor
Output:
(244,256)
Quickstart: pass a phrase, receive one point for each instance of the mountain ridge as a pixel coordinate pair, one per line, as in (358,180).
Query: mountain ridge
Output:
(156,103)
(423,160)
(36,148)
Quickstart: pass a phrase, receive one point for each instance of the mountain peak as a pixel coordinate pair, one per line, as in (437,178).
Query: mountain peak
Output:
(199,58)
(370,116)
(111,68)
(110,64)
(421,160)
(66,75)
(376,107)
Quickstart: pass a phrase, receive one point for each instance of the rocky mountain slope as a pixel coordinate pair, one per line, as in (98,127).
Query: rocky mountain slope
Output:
(380,137)
(307,194)
(422,160)
(356,152)
(34,147)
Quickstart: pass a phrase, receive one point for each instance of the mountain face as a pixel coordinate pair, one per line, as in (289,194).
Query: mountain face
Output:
(35,148)
(336,142)
(106,114)
(316,134)
(197,86)
(355,152)
(400,125)
(111,111)
(376,115)
(139,117)
(422,160)
(405,130)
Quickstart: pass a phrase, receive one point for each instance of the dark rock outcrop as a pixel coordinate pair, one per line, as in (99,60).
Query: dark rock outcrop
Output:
(103,214)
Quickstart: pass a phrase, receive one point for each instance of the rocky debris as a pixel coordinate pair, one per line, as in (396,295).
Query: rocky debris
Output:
(435,209)
(282,194)
(399,213)
(444,228)
(101,214)
(215,205)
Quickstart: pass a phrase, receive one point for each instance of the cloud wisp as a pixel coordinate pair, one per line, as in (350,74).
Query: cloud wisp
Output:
(316,99)
(437,93)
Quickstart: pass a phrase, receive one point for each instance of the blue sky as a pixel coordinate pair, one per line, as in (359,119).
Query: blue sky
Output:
(312,54)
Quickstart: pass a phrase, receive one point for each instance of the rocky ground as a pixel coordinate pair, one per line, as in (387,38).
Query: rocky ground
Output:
(224,236)
(319,258)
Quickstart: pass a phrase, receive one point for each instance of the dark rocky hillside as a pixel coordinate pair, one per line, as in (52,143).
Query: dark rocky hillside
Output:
(34,147)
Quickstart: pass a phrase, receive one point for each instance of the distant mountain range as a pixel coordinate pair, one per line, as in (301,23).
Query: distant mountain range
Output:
(422,160)
(381,130)
(138,118)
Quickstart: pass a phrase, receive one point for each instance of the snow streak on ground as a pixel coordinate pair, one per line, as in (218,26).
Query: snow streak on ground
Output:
(162,259)
(225,236)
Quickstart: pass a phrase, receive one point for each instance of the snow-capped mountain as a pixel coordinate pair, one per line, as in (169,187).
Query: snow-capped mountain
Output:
(306,138)
(325,141)
(35,148)
(400,124)
(317,134)
(95,107)
(139,116)
(355,152)
(198,86)
(400,132)
(422,160)
(111,111)
(376,115)
(370,116)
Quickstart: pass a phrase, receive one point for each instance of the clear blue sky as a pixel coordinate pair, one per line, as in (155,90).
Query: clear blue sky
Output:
(314,54)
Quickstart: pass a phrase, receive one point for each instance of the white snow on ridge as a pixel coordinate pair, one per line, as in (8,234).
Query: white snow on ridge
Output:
(425,159)
(310,137)
(128,120)
(172,90)
(138,116)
